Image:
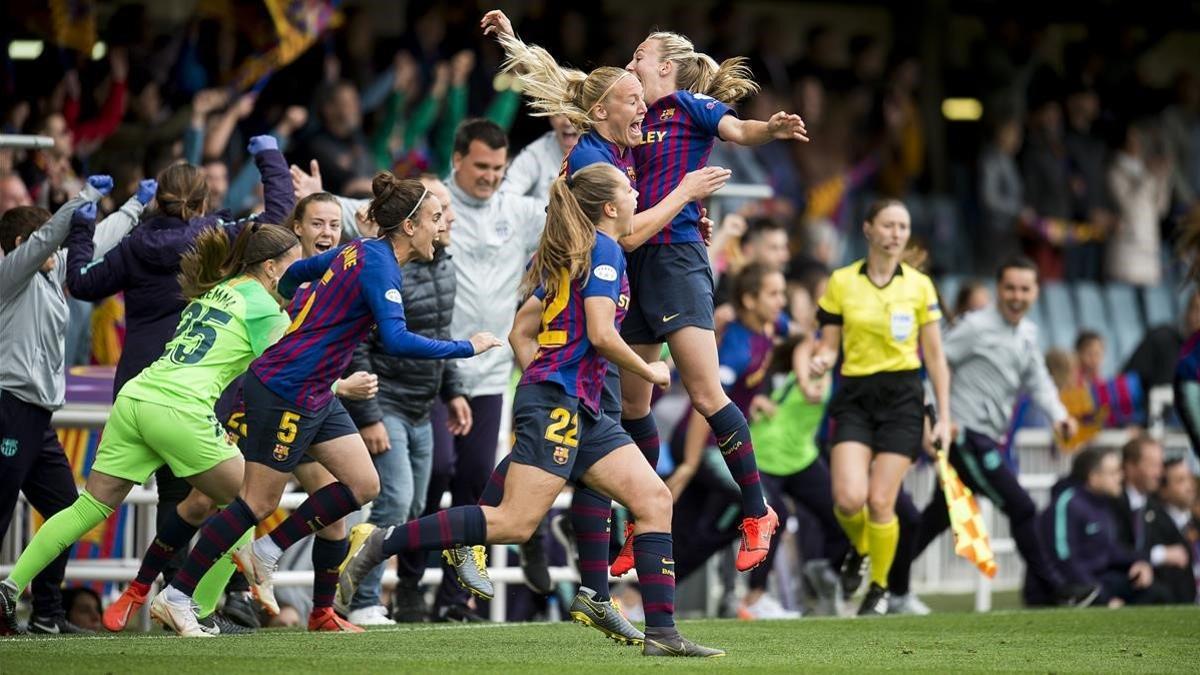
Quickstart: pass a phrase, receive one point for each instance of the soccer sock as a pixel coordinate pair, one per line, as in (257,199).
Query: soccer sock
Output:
(882,539)
(56,535)
(644,433)
(493,492)
(214,582)
(453,526)
(855,527)
(327,554)
(656,577)
(175,532)
(733,440)
(218,534)
(590,518)
(322,508)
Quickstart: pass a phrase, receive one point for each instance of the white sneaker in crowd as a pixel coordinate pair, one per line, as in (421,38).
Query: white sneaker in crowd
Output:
(375,615)
(907,604)
(766,608)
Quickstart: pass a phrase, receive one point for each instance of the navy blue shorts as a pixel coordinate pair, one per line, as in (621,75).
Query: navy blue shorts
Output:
(599,435)
(670,287)
(610,397)
(553,432)
(279,432)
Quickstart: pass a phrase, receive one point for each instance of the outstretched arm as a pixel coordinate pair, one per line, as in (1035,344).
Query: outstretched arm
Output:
(782,126)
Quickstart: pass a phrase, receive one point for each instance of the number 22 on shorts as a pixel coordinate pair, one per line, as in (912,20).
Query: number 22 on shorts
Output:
(561,418)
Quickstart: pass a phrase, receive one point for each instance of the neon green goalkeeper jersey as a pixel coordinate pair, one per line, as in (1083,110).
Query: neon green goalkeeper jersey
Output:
(219,333)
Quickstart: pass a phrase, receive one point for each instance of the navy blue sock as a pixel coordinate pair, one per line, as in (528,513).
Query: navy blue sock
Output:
(174,533)
(656,577)
(327,555)
(590,518)
(322,508)
(644,432)
(217,535)
(444,529)
(733,440)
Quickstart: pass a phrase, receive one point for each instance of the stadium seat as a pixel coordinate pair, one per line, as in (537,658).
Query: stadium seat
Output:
(948,288)
(1159,305)
(1093,315)
(1127,324)
(1060,315)
(1037,314)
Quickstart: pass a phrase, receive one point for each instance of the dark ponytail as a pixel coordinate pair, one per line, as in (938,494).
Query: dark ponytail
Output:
(395,200)
(213,259)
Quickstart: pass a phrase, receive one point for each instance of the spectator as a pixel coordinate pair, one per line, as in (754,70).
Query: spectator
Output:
(1141,191)
(766,243)
(1181,129)
(1079,530)
(1089,354)
(1089,188)
(83,607)
(494,236)
(13,192)
(1155,356)
(338,144)
(541,161)
(1142,464)
(972,296)
(1001,195)
(1168,525)
(1044,174)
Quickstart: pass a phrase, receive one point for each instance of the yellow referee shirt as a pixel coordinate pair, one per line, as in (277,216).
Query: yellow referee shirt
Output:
(880,326)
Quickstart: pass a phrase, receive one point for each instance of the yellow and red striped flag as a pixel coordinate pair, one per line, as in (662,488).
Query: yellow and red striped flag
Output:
(970,534)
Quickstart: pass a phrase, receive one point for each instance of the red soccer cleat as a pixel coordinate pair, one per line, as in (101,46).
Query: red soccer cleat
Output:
(325,620)
(116,615)
(624,561)
(756,540)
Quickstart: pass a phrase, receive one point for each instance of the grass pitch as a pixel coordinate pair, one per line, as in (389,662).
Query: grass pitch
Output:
(1156,640)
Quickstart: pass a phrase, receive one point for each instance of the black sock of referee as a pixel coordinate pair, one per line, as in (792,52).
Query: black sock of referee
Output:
(733,440)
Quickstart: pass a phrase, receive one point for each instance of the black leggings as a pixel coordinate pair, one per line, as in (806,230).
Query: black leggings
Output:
(812,490)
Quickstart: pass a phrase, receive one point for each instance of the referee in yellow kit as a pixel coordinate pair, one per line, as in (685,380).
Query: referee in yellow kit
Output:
(879,311)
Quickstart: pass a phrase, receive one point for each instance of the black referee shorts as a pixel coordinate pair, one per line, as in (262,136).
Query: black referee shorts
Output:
(884,411)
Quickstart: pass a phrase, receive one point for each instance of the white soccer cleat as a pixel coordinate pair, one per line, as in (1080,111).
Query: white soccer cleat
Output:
(258,573)
(178,614)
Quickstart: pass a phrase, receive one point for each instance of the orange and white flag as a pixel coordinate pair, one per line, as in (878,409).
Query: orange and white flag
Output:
(970,534)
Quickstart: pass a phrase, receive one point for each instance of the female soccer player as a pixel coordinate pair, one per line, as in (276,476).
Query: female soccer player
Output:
(290,405)
(559,432)
(879,311)
(164,415)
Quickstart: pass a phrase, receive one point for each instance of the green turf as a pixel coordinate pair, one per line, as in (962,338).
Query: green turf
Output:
(1098,640)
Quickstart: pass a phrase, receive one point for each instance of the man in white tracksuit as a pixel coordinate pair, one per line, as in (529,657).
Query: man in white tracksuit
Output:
(536,167)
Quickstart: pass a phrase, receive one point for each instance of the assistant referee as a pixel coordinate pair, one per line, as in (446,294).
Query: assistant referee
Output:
(879,311)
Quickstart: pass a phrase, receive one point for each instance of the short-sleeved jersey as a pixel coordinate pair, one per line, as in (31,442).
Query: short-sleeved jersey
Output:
(219,333)
(592,148)
(785,443)
(880,326)
(359,288)
(744,356)
(565,355)
(1188,366)
(677,137)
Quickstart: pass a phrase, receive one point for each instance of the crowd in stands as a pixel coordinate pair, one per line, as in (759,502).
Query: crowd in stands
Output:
(1084,166)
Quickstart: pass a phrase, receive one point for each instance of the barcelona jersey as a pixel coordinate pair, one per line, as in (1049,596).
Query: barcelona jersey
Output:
(744,356)
(565,356)
(1188,366)
(677,137)
(359,288)
(593,148)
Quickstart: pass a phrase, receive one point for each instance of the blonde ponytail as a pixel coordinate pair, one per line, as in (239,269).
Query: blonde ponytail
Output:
(699,73)
(553,89)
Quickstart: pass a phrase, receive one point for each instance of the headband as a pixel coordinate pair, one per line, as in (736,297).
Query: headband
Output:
(254,228)
(610,88)
(417,205)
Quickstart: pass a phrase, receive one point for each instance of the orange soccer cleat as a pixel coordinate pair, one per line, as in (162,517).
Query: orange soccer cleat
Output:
(756,539)
(325,620)
(624,561)
(116,615)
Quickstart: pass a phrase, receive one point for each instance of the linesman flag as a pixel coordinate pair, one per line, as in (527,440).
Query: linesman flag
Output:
(970,534)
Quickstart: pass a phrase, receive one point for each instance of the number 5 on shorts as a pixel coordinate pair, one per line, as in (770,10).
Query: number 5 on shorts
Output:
(287,427)
(560,419)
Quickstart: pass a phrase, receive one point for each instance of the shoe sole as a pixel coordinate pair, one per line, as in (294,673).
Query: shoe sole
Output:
(585,620)
(470,589)
(667,653)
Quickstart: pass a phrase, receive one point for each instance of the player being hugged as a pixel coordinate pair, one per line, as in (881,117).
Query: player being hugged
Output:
(560,433)
(290,405)
(164,415)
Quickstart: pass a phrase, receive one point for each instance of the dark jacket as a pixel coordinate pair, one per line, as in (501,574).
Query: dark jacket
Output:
(1080,534)
(407,387)
(1161,530)
(145,264)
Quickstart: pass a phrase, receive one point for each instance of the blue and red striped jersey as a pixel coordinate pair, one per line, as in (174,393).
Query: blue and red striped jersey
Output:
(565,355)
(359,288)
(677,136)
(744,356)
(593,148)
